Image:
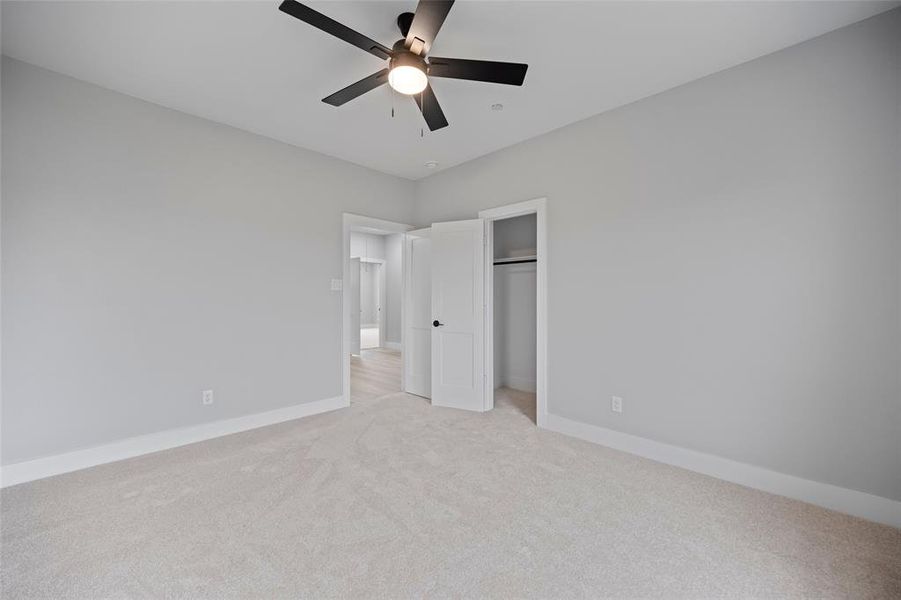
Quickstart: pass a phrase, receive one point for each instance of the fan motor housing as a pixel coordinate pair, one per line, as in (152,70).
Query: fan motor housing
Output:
(403,57)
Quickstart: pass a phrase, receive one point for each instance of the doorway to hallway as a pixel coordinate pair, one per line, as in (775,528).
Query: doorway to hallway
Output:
(373,305)
(372,297)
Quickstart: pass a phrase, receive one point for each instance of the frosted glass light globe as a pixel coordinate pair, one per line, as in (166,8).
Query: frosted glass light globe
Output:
(407,80)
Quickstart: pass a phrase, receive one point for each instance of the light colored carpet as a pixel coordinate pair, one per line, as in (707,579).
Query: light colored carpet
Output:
(393,498)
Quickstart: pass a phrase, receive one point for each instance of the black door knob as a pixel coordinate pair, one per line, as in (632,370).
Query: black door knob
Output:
(436,323)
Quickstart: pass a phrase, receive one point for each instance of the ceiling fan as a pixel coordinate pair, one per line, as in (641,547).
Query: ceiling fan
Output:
(409,66)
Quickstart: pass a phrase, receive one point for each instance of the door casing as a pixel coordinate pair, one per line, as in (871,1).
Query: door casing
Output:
(423,386)
(353,285)
(538,206)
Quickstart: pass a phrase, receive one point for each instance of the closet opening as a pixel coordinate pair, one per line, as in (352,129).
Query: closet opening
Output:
(515,297)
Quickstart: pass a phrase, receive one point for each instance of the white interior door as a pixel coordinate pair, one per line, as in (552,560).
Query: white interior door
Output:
(458,314)
(354,293)
(417,341)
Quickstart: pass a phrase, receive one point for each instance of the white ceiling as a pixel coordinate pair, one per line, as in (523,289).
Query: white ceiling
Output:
(248,65)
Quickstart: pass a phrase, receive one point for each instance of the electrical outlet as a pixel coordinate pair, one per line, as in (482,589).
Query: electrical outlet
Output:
(616,404)
(207,397)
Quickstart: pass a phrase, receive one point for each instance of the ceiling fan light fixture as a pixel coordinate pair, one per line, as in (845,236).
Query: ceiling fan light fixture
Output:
(407,74)
(407,80)
(407,71)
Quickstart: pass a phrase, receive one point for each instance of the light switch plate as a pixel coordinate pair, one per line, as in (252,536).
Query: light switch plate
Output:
(337,285)
(616,404)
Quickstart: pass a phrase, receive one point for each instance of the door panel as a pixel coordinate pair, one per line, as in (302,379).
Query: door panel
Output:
(418,312)
(354,293)
(457,351)
(458,255)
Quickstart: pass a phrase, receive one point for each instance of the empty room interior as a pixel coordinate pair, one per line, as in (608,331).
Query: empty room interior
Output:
(435,299)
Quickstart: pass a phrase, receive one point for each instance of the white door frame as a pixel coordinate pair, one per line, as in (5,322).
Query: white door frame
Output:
(537,206)
(406,318)
(355,341)
(351,222)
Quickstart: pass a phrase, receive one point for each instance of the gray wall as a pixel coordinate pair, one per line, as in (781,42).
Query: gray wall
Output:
(516,236)
(148,255)
(515,332)
(367,245)
(725,257)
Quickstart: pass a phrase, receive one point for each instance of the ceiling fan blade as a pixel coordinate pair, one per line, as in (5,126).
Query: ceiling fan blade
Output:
(478,70)
(427,20)
(431,110)
(320,21)
(357,89)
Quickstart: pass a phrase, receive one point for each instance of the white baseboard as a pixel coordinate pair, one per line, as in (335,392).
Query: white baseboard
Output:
(393,345)
(154,442)
(852,502)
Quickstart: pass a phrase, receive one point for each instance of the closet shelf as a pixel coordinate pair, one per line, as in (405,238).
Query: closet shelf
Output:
(515,260)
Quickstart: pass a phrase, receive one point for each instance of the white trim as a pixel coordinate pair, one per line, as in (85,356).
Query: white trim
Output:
(407,276)
(344,344)
(155,442)
(351,222)
(365,224)
(488,318)
(393,345)
(852,502)
(539,207)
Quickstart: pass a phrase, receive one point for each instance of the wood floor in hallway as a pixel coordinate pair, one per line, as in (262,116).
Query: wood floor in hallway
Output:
(373,374)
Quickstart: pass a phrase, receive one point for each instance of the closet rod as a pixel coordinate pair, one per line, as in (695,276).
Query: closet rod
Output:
(516,262)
